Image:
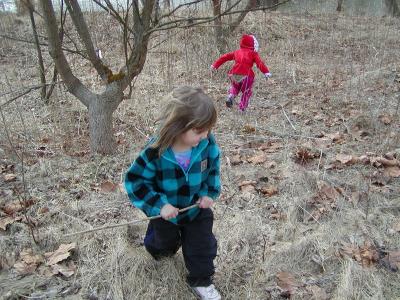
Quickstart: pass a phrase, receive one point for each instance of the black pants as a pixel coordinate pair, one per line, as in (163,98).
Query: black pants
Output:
(199,245)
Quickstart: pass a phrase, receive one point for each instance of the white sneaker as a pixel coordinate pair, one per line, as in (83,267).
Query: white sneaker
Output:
(207,292)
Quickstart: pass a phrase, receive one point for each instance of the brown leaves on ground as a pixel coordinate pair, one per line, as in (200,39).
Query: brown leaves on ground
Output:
(12,208)
(29,262)
(303,156)
(366,255)
(62,253)
(248,186)
(108,186)
(324,200)
(249,129)
(346,159)
(390,163)
(269,190)
(287,284)
(6,221)
(259,158)
(9,177)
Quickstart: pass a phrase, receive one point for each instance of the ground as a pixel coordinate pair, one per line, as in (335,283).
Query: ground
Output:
(311,191)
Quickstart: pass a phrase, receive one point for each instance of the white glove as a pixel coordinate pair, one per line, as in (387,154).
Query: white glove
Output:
(267,75)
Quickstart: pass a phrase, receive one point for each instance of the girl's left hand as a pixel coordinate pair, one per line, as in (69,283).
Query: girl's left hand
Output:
(205,202)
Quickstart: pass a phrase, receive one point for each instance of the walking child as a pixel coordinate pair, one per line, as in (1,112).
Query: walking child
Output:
(241,75)
(181,167)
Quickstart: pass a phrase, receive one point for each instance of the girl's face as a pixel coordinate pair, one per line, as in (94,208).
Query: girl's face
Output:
(192,137)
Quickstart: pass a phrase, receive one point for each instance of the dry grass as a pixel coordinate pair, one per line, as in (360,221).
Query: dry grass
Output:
(331,74)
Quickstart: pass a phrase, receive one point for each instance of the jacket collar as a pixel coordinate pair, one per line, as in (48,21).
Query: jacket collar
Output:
(169,154)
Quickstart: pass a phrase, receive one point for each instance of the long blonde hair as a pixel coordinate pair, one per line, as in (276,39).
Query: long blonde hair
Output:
(186,108)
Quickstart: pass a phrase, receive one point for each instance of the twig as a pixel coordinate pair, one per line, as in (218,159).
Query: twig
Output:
(290,122)
(306,211)
(127,223)
(30,89)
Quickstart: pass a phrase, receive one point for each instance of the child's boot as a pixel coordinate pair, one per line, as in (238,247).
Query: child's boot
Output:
(229,101)
(207,292)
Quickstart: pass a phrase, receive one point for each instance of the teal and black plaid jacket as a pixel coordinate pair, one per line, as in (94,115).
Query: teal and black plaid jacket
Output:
(153,181)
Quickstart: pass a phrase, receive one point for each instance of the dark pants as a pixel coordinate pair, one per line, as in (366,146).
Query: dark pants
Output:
(199,245)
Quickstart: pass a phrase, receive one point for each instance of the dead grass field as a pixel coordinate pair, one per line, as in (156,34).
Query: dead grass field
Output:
(319,212)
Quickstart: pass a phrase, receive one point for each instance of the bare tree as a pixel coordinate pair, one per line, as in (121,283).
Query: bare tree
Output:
(223,32)
(138,21)
(392,8)
(339,5)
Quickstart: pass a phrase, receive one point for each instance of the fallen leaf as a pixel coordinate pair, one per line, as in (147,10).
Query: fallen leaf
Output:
(63,252)
(287,283)
(10,177)
(303,156)
(327,191)
(392,172)
(336,137)
(13,207)
(30,258)
(24,268)
(6,168)
(346,159)
(366,255)
(385,119)
(108,186)
(369,255)
(235,160)
(66,271)
(378,161)
(6,221)
(269,191)
(248,188)
(258,158)
(247,182)
(249,129)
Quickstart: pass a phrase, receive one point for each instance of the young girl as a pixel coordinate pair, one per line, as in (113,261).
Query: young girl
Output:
(180,167)
(241,75)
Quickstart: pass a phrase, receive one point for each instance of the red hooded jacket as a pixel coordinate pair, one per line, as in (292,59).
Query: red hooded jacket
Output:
(244,58)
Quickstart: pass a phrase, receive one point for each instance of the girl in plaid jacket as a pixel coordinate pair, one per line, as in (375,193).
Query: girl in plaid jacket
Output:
(180,167)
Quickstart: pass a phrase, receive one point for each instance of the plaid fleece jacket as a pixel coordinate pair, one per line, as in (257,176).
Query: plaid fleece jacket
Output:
(153,181)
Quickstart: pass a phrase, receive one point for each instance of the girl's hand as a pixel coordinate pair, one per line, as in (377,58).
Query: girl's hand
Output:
(168,212)
(205,202)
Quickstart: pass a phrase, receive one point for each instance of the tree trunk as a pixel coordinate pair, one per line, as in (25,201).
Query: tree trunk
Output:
(101,109)
(392,8)
(339,5)
(220,37)
(30,7)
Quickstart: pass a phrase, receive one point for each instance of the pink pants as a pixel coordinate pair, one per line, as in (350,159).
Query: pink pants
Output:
(245,86)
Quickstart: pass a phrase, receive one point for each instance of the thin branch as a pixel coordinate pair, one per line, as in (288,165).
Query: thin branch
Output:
(177,8)
(84,33)
(287,118)
(30,89)
(191,21)
(41,44)
(126,223)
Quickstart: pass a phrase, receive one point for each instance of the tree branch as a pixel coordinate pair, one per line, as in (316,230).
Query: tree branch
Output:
(73,84)
(83,31)
(191,22)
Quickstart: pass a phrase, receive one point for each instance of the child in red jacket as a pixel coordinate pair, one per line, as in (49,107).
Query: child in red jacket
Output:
(241,75)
